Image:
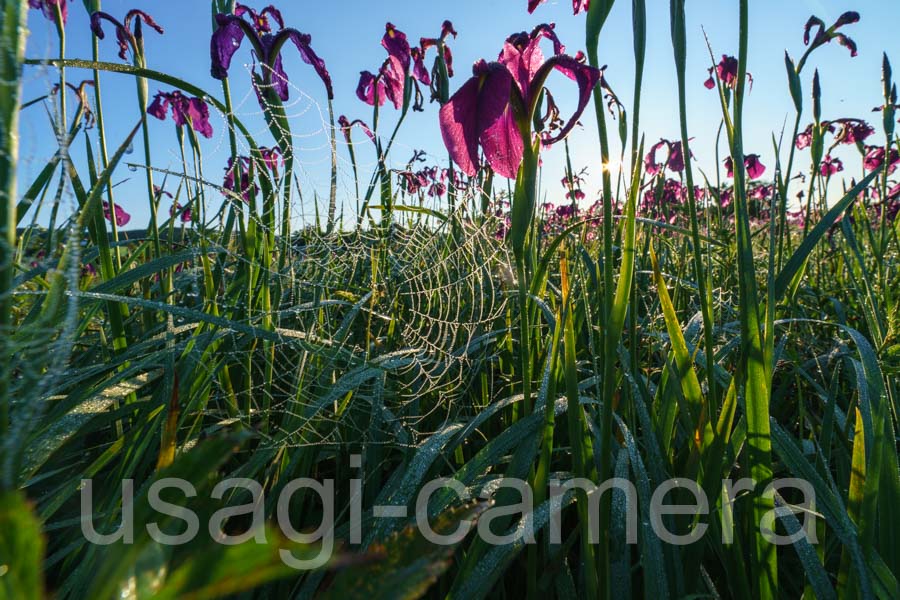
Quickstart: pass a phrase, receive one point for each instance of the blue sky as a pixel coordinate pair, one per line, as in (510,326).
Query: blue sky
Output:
(346,33)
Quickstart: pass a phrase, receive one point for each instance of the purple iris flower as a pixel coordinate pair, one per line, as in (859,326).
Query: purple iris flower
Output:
(727,70)
(426,43)
(577,5)
(875,156)
(418,54)
(175,209)
(755,169)
(260,19)
(122,217)
(347,125)
(804,138)
(271,157)
(124,36)
(492,110)
(413,182)
(674,160)
(420,71)
(371,89)
(761,192)
(50,7)
(158,192)
(830,166)
(825,35)
(437,189)
(239,170)
(396,44)
(192,112)
(390,82)
(853,131)
(266,46)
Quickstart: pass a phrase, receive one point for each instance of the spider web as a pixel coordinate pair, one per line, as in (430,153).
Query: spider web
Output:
(373,331)
(426,289)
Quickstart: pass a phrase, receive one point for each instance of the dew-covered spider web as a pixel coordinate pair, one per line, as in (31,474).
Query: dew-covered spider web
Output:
(352,325)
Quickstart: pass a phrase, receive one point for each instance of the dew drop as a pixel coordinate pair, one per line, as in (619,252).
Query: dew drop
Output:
(132,168)
(129,149)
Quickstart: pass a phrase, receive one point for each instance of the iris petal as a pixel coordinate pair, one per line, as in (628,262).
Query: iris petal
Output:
(499,134)
(224,43)
(459,126)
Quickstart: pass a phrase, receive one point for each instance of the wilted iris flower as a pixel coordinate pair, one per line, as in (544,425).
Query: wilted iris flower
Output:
(391,80)
(662,200)
(266,48)
(437,189)
(573,184)
(853,131)
(849,131)
(271,157)
(52,8)
(830,166)
(492,109)
(727,70)
(237,177)
(122,217)
(755,169)
(577,5)
(874,157)
(413,182)
(125,35)
(419,70)
(192,112)
(804,138)
(674,158)
(175,209)
(346,125)
(825,35)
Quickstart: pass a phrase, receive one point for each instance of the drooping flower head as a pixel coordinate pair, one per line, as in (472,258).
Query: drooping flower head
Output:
(493,109)
(436,81)
(413,182)
(271,157)
(727,71)
(237,178)
(230,33)
(84,105)
(390,82)
(825,35)
(192,112)
(260,19)
(674,158)
(874,157)
(755,169)
(830,166)
(347,125)
(663,199)
(395,75)
(577,5)
(126,36)
(804,138)
(122,217)
(175,209)
(52,9)
(853,131)
(573,183)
